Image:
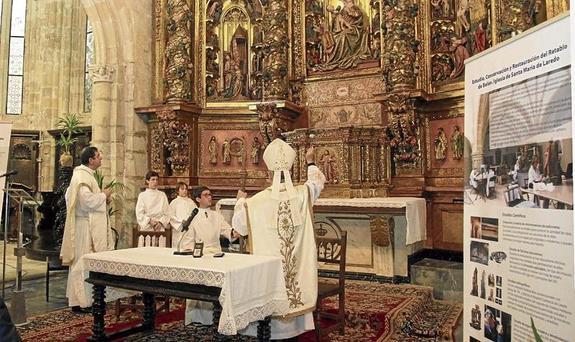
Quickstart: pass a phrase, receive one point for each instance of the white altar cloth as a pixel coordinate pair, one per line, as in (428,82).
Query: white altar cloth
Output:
(415,210)
(253,287)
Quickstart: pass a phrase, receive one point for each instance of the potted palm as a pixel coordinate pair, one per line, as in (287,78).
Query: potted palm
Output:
(69,124)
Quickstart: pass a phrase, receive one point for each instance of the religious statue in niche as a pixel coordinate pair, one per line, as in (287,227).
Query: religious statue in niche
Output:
(457,143)
(327,164)
(440,144)
(213,150)
(256,148)
(226,152)
(235,66)
(340,37)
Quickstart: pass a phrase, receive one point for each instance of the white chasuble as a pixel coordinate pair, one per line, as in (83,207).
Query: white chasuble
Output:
(275,234)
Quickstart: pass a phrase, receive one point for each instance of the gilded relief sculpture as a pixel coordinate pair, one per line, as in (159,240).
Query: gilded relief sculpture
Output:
(401,45)
(341,34)
(456,35)
(275,51)
(457,143)
(213,150)
(328,168)
(440,144)
(178,69)
(233,50)
(256,149)
(175,135)
(226,152)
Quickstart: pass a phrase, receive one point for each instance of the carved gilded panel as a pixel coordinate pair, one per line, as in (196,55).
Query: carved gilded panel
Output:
(342,35)
(233,53)
(458,30)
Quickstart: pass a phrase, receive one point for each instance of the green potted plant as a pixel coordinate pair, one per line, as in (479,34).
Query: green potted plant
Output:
(69,124)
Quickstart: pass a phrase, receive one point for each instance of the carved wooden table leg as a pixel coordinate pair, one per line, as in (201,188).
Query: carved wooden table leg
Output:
(149,311)
(98,311)
(264,330)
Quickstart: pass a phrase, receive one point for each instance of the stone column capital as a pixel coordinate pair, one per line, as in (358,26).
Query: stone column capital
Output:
(102,73)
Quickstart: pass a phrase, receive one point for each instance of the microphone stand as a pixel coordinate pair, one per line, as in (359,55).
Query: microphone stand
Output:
(185,228)
(6,225)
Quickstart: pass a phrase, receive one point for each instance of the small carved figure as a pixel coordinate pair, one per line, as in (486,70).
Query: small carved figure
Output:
(213,149)
(480,38)
(256,147)
(226,152)
(457,143)
(460,54)
(440,144)
(327,161)
(462,23)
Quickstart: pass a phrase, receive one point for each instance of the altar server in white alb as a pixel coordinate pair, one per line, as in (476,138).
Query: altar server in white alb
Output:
(87,228)
(279,222)
(180,209)
(152,208)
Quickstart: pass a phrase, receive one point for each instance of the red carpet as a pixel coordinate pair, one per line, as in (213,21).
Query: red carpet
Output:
(374,312)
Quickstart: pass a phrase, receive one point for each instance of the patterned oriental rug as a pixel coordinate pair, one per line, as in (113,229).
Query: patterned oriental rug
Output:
(374,312)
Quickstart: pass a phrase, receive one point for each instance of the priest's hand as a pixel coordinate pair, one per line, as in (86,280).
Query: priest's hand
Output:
(241,194)
(310,155)
(235,235)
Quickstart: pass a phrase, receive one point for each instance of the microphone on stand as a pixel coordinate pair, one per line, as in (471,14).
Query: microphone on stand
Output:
(185,227)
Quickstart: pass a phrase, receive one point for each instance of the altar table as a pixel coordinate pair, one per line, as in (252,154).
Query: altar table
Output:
(249,288)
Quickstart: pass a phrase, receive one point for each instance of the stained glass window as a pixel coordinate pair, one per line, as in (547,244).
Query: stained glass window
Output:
(89,61)
(16,57)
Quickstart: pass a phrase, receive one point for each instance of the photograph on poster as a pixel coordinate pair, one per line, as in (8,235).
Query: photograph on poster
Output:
(490,298)
(491,280)
(498,293)
(486,228)
(479,252)
(472,339)
(496,325)
(498,256)
(474,284)
(475,227)
(499,281)
(475,317)
(523,163)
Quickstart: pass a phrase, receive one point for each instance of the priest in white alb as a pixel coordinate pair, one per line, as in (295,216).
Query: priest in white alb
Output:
(87,228)
(279,222)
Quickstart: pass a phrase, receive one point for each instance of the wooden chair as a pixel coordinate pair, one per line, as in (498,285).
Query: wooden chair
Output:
(331,251)
(151,239)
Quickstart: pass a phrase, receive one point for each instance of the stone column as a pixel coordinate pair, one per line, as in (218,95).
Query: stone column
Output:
(102,77)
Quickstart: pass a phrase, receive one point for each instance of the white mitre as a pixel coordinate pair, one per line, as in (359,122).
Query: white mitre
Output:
(279,157)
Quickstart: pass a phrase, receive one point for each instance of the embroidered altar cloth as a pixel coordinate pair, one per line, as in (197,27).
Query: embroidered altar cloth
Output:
(253,287)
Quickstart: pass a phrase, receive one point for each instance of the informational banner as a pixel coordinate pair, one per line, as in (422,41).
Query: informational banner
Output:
(518,217)
(5,132)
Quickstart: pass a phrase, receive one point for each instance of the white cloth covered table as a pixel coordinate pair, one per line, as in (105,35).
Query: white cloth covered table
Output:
(253,287)
(415,210)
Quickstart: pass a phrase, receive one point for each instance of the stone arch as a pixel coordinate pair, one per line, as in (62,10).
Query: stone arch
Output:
(122,81)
